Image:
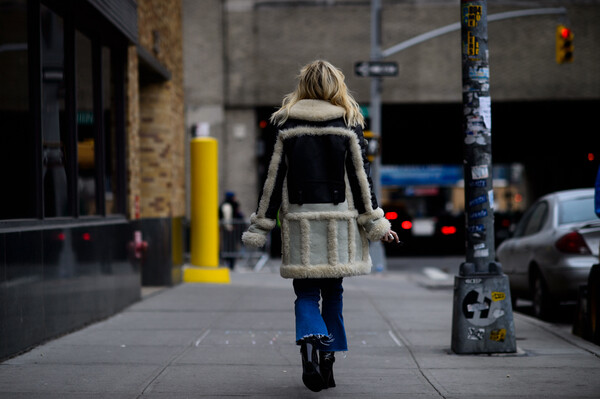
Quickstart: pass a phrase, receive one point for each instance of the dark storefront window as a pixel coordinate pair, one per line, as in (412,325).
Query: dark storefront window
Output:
(86,180)
(17,156)
(110,163)
(61,112)
(54,131)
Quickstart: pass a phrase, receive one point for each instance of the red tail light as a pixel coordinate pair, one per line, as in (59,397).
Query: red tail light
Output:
(406,225)
(573,243)
(448,230)
(391,215)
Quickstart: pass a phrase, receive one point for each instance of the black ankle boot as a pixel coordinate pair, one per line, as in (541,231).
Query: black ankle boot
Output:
(311,375)
(326,364)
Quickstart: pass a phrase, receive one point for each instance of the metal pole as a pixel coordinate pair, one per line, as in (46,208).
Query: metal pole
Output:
(376,247)
(204,241)
(482,319)
(205,202)
(375,109)
(477,127)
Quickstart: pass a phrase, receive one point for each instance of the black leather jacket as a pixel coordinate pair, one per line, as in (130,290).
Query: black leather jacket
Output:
(317,159)
(315,164)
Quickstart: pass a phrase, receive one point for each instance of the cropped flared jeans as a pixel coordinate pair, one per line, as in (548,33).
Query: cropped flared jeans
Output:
(324,324)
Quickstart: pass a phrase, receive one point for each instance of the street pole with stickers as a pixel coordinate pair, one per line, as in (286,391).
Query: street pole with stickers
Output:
(482,319)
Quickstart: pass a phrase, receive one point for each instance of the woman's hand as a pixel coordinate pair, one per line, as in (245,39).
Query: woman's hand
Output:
(390,236)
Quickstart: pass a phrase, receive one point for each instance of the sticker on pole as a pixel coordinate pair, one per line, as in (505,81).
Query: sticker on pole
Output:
(498,296)
(479,172)
(479,309)
(475,334)
(498,335)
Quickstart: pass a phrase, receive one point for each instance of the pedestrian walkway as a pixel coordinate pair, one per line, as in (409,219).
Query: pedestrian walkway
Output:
(237,340)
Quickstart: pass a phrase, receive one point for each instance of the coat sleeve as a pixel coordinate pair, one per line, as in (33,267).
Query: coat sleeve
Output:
(371,217)
(264,219)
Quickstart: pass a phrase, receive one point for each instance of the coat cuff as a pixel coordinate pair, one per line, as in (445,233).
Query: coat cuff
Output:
(262,222)
(256,236)
(254,239)
(374,224)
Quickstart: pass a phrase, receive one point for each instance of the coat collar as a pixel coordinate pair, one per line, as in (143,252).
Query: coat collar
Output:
(316,110)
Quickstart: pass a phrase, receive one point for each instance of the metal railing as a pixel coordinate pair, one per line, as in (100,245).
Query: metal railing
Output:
(233,253)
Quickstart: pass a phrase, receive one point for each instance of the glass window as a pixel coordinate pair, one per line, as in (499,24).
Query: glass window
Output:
(62,141)
(109,110)
(520,229)
(576,210)
(54,132)
(532,220)
(86,179)
(17,143)
(537,219)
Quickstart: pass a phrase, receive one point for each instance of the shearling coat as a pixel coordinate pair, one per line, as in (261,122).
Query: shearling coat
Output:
(318,180)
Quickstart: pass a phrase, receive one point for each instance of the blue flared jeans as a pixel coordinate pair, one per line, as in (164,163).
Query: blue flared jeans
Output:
(324,323)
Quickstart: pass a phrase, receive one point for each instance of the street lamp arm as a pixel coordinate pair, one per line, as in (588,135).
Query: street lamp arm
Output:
(420,39)
(456,26)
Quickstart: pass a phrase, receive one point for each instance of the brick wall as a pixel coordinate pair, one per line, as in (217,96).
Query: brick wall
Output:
(155,125)
(132,129)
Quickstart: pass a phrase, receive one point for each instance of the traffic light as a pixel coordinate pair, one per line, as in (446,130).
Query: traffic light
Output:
(564,44)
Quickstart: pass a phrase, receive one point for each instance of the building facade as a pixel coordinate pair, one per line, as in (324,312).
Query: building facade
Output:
(242,56)
(92,160)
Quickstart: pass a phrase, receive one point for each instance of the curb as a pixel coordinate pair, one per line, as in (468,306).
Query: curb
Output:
(561,332)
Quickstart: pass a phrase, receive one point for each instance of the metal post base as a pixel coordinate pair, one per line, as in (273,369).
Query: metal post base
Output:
(482,320)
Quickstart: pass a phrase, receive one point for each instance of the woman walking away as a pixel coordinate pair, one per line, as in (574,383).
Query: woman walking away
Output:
(318,180)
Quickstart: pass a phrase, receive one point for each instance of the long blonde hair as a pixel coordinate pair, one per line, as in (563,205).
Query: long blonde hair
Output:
(320,80)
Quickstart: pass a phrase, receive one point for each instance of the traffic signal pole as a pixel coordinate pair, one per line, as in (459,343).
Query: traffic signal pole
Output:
(375,107)
(482,319)
(377,55)
(376,247)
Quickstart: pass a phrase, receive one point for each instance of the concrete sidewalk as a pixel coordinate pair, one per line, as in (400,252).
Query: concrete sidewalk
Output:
(237,340)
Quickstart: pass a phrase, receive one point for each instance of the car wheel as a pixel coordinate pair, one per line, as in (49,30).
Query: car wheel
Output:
(542,302)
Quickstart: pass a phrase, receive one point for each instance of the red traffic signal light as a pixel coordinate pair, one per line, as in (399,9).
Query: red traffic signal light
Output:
(564,44)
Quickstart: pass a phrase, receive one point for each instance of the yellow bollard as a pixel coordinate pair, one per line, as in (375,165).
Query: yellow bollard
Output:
(204,245)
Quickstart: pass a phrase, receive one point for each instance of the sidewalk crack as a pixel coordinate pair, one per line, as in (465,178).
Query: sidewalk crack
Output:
(403,340)
(178,356)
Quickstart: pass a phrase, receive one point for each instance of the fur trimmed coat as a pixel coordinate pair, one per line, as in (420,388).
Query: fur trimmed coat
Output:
(318,184)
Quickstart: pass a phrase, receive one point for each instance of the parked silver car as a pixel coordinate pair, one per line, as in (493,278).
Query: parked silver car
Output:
(552,250)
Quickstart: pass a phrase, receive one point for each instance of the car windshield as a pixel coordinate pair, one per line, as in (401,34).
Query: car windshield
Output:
(576,210)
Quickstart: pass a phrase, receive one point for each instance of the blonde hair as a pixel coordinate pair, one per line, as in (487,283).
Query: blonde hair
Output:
(320,80)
